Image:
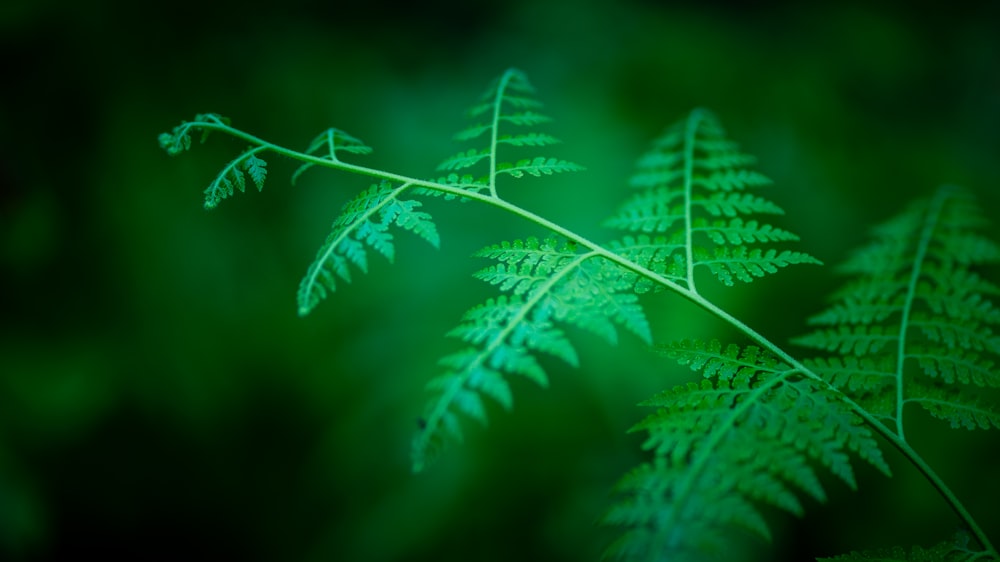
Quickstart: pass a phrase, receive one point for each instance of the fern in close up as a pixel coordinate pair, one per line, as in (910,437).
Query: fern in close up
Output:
(915,325)
(761,427)
(693,208)
(745,434)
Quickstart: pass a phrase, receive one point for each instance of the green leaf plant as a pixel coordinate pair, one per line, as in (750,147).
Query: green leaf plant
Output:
(912,328)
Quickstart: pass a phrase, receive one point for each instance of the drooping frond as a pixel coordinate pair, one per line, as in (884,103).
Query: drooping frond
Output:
(750,433)
(694,209)
(364,222)
(548,282)
(500,118)
(179,139)
(233,176)
(915,324)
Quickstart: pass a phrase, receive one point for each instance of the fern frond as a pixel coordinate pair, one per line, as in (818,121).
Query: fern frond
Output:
(179,139)
(694,189)
(233,177)
(549,282)
(364,221)
(327,144)
(747,434)
(917,301)
(509,102)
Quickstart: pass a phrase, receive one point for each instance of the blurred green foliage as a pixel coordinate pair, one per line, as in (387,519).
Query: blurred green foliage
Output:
(159,397)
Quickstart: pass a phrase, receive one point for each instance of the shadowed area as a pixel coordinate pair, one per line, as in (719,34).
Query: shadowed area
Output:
(160,398)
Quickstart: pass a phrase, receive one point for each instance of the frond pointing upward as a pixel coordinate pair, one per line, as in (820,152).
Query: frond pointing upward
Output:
(507,105)
(326,145)
(746,434)
(916,301)
(549,282)
(693,209)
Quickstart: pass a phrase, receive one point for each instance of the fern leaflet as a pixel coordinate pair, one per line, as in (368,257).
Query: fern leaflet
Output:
(331,141)
(364,221)
(693,199)
(509,102)
(549,281)
(916,301)
(746,433)
(233,176)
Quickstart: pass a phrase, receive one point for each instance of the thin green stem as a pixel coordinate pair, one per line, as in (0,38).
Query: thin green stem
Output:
(911,291)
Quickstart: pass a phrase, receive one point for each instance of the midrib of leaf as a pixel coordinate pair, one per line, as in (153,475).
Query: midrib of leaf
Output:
(442,404)
(497,108)
(690,135)
(930,223)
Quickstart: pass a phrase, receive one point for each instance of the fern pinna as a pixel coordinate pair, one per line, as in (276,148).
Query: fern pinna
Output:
(915,327)
(694,192)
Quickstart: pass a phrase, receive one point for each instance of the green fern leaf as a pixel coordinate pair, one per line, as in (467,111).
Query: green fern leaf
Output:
(550,282)
(736,231)
(465,159)
(364,221)
(179,139)
(916,301)
(693,189)
(959,406)
(327,144)
(529,139)
(232,177)
(713,361)
(745,264)
(537,167)
(505,331)
(509,102)
(745,435)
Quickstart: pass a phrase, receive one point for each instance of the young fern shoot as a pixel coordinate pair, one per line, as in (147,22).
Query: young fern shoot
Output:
(750,433)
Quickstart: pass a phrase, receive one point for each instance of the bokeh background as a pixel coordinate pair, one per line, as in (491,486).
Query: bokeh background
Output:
(161,400)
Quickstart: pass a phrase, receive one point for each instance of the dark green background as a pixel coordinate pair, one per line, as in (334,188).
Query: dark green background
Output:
(160,399)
